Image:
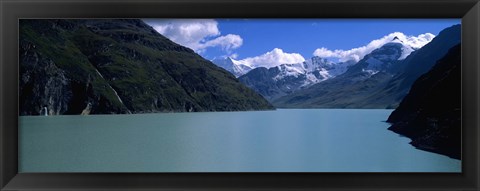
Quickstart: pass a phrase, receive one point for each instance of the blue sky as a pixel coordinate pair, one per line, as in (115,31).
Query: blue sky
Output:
(247,38)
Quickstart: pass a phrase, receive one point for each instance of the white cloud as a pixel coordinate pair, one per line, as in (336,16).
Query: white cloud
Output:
(273,58)
(227,42)
(197,34)
(358,53)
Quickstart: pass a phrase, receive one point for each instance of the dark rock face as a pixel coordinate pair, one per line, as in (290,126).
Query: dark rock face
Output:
(56,85)
(430,114)
(384,89)
(116,66)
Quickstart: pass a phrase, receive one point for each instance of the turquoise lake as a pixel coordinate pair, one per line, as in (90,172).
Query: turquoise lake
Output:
(285,140)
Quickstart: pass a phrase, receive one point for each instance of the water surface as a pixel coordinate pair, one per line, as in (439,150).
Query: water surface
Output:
(285,140)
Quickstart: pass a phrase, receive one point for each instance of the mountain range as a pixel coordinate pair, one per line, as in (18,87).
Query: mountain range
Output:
(112,66)
(380,80)
(424,85)
(285,79)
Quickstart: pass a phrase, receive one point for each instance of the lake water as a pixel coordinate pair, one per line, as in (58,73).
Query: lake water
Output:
(285,140)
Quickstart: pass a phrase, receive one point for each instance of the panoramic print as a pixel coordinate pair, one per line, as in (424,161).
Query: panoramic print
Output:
(239,95)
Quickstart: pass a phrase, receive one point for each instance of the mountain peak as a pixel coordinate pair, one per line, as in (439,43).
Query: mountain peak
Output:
(229,58)
(235,67)
(396,40)
(222,58)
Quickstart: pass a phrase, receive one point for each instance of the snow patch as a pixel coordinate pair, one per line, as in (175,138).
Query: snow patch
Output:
(370,72)
(406,50)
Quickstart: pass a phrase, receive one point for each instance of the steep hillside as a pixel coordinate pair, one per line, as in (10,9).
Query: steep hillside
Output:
(430,114)
(107,66)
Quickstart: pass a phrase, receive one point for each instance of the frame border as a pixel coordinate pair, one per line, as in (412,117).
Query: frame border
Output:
(11,11)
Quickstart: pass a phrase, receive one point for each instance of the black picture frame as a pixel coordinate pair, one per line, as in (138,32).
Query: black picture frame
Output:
(12,10)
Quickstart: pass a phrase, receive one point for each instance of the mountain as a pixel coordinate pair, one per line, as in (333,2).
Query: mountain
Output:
(232,66)
(345,89)
(380,80)
(420,62)
(111,66)
(381,59)
(430,114)
(285,79)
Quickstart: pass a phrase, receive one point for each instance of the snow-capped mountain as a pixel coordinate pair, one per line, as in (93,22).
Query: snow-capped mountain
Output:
(406,48)
(373,69)
(318,68)
(233,66)
(379,80)
(382,59)
(284,79)
(314,70)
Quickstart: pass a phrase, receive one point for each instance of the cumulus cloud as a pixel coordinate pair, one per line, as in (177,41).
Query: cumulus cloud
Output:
(197,34)
(358,53)
(273,58)
(227,42)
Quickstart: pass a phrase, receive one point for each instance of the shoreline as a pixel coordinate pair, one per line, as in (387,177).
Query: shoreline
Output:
(275,109)
(421,143)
